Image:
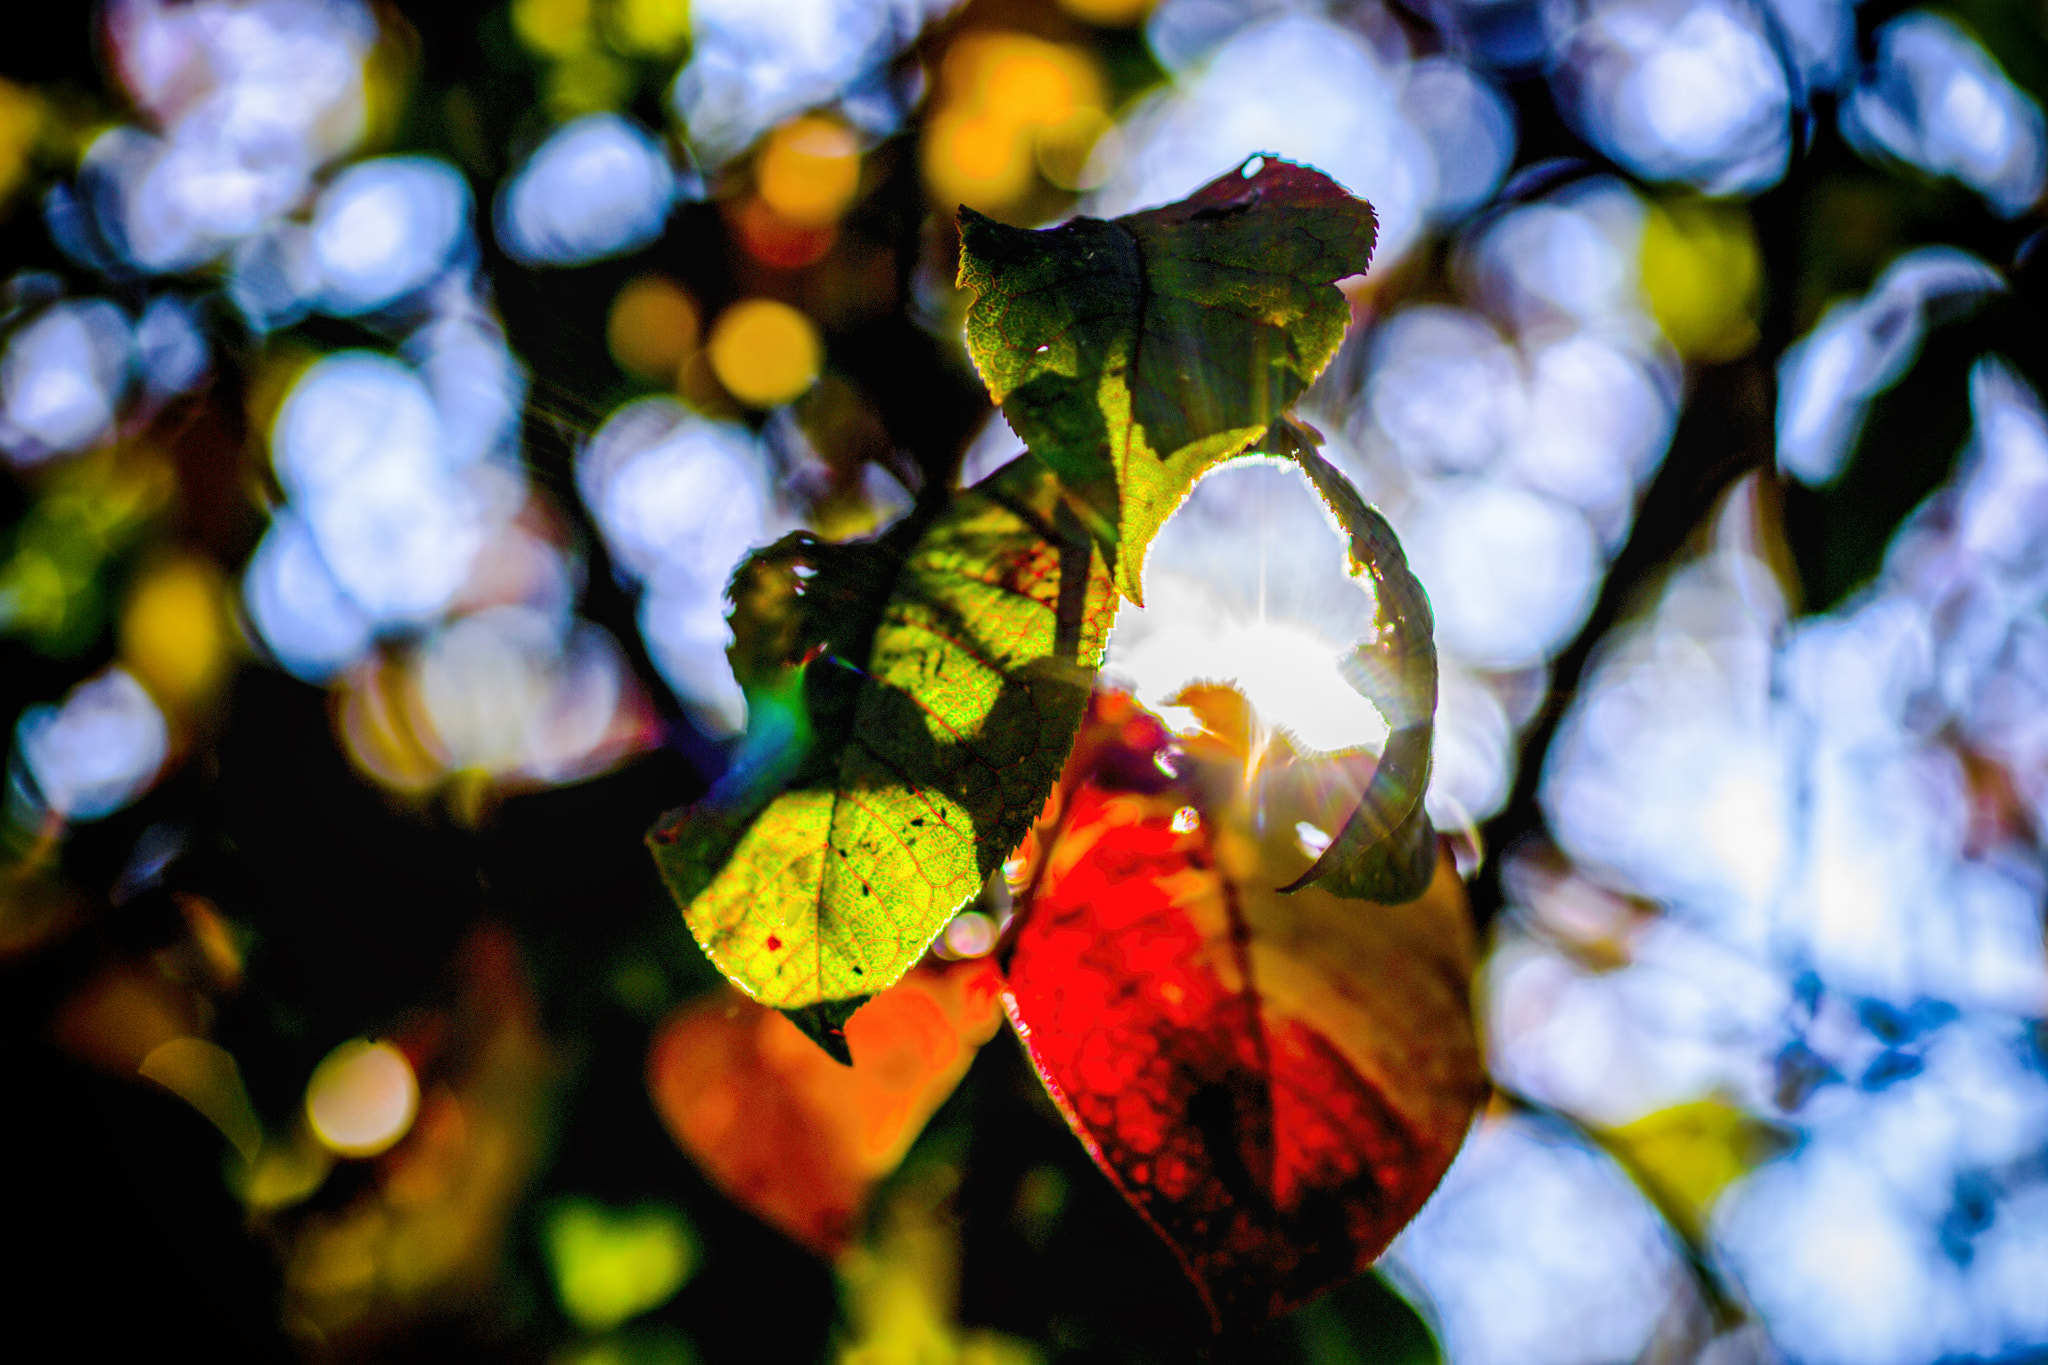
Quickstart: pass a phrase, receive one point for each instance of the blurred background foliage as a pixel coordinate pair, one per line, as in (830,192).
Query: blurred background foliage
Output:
(387,391)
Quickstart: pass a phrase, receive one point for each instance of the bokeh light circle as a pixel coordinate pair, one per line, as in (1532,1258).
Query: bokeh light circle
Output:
(362,1098)
(765,352)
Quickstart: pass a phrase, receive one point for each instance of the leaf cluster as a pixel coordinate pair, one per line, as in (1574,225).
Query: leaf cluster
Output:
(914,697)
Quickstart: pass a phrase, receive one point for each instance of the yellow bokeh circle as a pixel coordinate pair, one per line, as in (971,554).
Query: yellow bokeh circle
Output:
(1001,95)
(652,328)
(765,352)
(810,170)
(976,159)
(1027,81)
(174,631)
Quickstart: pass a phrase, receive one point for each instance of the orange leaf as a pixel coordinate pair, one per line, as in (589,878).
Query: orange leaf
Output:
(795,1136)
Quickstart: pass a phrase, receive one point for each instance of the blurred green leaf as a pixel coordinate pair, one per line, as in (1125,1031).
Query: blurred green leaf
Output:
(611,1265)
(1362,1323)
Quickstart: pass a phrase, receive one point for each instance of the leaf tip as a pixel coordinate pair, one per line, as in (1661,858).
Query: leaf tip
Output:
(1130,581)
(974,228)
(824,1023)
(1393,870)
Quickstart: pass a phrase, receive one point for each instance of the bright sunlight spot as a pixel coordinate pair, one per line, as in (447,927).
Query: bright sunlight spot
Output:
(1272,616)
(1288,670)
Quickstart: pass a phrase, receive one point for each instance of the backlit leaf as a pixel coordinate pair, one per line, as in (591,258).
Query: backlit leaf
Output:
(912,701)
(1132,355)
(1386,850)
(1276,1082)
(793,1135)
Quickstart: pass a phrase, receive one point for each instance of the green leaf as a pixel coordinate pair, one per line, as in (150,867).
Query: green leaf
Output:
(1386,851)
(614,1264)
(1364,1322)
(912,701)
(1133,355)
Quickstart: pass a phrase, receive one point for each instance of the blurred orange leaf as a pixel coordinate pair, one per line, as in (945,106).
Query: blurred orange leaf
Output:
(795,1136)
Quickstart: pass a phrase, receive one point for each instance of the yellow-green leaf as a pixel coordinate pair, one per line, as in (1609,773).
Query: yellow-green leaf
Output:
(913,701)
(615,1264)
(1685,1156)
(1133,355)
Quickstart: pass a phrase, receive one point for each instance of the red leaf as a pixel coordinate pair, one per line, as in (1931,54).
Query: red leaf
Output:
(792,1134)
(1276,1082)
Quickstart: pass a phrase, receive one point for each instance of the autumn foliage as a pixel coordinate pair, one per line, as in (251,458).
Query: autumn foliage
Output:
(1271,1066)
(791,1133)
(1277,1082)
